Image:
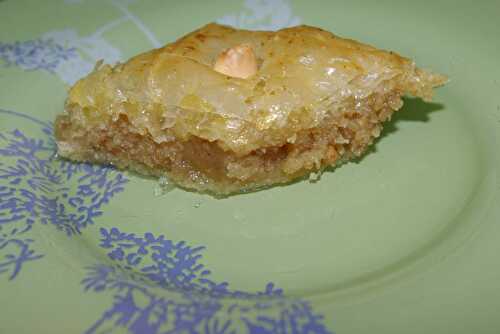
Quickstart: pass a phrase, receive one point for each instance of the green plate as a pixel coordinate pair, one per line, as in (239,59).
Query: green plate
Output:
(406,240)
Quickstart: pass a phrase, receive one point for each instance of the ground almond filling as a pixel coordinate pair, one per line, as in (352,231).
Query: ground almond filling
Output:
(196,163)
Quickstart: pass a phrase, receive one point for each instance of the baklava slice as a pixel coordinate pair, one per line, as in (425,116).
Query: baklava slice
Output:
(223,110)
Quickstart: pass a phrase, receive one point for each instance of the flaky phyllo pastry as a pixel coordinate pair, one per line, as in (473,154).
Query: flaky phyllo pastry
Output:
(225,110)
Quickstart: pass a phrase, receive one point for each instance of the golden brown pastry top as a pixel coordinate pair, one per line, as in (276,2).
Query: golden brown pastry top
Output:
(303,74)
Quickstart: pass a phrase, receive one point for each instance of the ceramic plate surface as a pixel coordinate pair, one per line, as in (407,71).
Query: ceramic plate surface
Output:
(405,240)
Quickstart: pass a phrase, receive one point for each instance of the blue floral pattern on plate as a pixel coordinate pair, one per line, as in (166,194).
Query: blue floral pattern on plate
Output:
(36,189)
(161,286)
(36,54)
